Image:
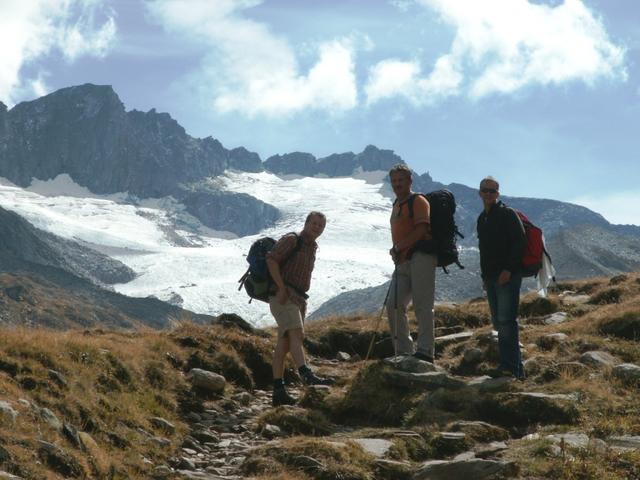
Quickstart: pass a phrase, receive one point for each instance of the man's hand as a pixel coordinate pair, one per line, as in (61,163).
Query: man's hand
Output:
(282,295)
(394,254)
(504,278)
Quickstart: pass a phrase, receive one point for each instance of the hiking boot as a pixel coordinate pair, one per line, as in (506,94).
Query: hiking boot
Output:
(423,356)
(282,397)
(312,379)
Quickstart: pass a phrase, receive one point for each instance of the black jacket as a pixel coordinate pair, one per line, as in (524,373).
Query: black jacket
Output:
(502,241)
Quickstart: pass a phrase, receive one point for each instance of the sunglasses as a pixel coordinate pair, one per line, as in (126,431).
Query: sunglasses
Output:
(488,190)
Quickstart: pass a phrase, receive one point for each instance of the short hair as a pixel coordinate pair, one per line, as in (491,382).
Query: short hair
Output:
(489,178)
(400,168)
(315,214)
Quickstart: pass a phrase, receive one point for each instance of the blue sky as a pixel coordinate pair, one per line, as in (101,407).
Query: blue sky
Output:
(544,95)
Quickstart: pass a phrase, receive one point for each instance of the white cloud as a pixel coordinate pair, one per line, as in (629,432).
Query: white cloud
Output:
(503,46)
(619,208)
(32,29)
(252,70)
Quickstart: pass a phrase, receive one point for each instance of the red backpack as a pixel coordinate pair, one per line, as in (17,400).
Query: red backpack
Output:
(532,257)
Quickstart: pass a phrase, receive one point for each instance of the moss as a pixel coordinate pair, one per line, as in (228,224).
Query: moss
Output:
(538,306)
(296,421)
(371,399)
(607,296)
(320,460)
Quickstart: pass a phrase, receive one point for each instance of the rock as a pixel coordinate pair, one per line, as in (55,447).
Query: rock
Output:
(628,442)
(409,363)
(343,357)
(377,447)
(490,450)
(355,358)
(8,476)
(7,413)
(555,318)
(59,460)
(429,380)
(599,359)
(473,356)
(486,383)
(479,431)
(571,299)
(629,373)
(186,464)
(71,433)
(207,381)
(88,443)
(271,431)
(5,456)
(161,471)
(58,378)
(575,440)
(528,408)
(451,339)
(49,417)
(163,424)
(476,469)
(234,320)
(160,441)
(449,443)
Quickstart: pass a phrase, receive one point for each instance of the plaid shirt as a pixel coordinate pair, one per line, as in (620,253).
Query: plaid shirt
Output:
(295,269)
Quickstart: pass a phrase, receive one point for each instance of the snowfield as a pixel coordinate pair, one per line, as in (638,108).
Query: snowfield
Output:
(149,236)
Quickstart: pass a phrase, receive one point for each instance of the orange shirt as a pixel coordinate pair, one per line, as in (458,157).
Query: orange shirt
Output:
(402,225)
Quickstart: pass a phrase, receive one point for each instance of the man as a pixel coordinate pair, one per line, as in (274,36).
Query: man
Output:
(415,271)
(290,264)
(502,243)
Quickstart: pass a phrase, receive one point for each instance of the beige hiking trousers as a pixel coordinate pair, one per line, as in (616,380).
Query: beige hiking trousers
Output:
(416,282)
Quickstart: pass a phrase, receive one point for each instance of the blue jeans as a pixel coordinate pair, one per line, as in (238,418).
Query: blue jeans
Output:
(503,303)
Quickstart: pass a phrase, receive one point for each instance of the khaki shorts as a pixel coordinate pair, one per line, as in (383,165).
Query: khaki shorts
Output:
(288,316)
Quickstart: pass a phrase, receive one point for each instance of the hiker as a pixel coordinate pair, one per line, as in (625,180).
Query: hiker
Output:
(415,268)
(290,265)
(502,243)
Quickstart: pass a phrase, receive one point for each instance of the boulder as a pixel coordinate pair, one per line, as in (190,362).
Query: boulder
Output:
(208,381)
(476,469)
(555,318)
(451,339)
(479,431)
(599,359)
(409,363)
(627,442)
(428,380)
(377,447)
(50,417)
(486,383)
(629,373)
(163,424)
(7,413)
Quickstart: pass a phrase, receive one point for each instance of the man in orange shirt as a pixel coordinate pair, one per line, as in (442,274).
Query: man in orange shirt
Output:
(415,272)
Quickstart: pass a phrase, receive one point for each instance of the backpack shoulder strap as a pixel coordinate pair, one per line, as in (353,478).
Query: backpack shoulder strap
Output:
(410,203)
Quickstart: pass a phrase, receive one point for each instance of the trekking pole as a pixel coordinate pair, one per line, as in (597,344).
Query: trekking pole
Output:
(395,307)
(379,319)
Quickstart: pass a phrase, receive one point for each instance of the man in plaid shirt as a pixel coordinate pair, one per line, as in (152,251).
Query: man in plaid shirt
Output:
(290,263)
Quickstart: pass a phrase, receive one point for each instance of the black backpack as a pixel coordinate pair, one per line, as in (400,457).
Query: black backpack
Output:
(444,230)
(256,280)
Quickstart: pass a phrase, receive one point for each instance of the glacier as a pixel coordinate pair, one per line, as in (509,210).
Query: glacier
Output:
(203,268)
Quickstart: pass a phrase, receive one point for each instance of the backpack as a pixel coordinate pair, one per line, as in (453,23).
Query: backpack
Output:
(256,280)
(444,230)
(535,249)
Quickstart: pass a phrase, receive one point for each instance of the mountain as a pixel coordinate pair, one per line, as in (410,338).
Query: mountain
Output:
(21,242)
(152,193)
(50,281)
(85,132)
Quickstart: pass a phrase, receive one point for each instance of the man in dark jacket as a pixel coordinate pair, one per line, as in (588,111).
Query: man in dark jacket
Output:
(502,243)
